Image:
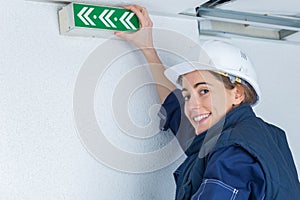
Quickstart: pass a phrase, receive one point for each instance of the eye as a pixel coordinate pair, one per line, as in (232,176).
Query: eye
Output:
(186,97)
(203,91)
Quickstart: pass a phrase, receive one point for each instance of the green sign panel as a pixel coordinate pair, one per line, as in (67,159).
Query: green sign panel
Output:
(99,17)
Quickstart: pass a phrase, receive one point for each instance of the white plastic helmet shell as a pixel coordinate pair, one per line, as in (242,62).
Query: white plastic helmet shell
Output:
(223,57)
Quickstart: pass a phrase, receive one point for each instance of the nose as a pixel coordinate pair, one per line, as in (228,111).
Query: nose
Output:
(194,101)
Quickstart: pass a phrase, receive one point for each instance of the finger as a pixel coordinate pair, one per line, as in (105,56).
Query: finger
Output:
(120,34)
(136,7)
(123,35)
(138,10)
(148,22)
(147,19)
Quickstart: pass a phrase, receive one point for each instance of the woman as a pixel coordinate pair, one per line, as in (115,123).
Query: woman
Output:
(234,154)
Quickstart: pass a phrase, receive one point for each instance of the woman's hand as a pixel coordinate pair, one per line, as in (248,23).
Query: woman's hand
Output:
(143,37)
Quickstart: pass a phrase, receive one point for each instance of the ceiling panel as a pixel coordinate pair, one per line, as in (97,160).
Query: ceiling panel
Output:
(171,7)
(287,7)
(163,6)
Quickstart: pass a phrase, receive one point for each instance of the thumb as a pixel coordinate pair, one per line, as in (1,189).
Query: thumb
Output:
(121,35)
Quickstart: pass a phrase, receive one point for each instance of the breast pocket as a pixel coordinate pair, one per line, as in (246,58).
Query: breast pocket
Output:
(213,189)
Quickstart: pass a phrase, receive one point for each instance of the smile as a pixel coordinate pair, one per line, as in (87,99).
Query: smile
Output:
(200,117)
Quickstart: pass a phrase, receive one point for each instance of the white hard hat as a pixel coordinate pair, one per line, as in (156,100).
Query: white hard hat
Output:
(221,57)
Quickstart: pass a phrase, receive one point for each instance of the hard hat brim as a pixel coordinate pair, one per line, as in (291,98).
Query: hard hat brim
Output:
(173,73)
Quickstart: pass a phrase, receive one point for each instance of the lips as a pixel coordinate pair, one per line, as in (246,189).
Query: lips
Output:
(201,117)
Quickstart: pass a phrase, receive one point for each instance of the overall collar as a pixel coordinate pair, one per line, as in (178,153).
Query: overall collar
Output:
(209,138)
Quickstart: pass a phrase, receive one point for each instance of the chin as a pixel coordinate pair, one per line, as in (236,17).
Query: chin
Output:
(199,131)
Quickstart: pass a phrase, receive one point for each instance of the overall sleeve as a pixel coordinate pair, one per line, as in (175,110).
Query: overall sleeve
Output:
(232,174)
(170,112)
(173,118)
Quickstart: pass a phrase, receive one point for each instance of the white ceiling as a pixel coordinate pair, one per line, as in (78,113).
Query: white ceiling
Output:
(162,6)
(286,7)
(171,7)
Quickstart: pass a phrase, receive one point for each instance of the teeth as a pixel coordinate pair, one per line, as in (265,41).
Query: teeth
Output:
(197,119)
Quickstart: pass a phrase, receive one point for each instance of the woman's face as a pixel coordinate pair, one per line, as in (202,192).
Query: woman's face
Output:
(206,99)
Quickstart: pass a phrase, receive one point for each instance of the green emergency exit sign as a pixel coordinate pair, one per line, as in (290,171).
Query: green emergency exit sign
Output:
(82,19)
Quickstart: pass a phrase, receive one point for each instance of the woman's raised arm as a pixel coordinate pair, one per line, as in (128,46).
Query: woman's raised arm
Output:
(144,41)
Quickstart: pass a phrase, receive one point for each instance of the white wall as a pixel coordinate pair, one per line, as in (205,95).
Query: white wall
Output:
(42,151)
(43,156)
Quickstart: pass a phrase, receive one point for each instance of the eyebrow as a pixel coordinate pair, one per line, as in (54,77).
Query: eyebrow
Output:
(196,85)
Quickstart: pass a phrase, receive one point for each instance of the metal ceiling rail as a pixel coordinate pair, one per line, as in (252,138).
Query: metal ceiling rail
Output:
(287,23)
(212,27)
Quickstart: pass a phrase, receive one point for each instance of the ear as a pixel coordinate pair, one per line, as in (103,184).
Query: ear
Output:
(238,95)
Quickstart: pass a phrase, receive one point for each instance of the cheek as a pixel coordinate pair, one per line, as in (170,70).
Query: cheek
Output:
(218,102)
(222,103)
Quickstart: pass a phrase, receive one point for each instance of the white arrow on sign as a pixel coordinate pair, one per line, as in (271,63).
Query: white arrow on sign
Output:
(109,21)
(84,16)
(101,17)
(106,19)
(122,20)
(127,20)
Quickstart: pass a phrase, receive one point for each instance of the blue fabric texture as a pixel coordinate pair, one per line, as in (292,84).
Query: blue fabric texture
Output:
(243,177)
(173,118)
(241,157)
(171,112)
(215,189)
